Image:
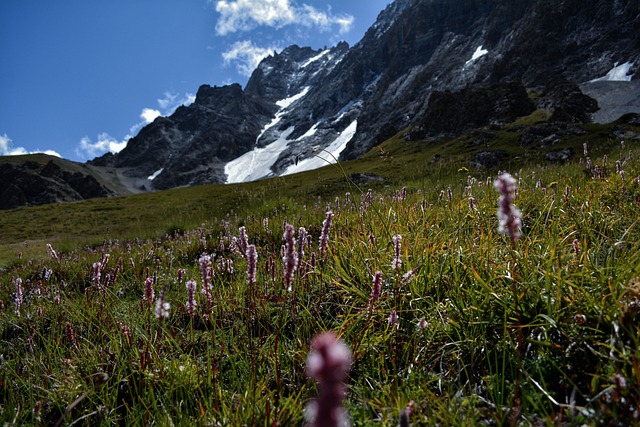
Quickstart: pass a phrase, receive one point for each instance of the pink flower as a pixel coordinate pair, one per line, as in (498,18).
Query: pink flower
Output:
(18,296)
(52,252)
(162,306)
(252,261)
(149,294)
(328,362)
(393,318)
(397,262)
(324,236)
(508,215)
(290,257)
(376,289)
(191,297)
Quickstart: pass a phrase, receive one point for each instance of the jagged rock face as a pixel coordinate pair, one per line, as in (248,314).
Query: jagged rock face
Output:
(526,41)
(193,143)
(432,65)
(567,103)
(32,184)
(452,113)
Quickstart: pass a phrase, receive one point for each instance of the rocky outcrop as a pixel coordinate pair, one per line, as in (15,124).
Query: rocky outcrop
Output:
(32,183)
(453,113)
(566,102)
(439,67)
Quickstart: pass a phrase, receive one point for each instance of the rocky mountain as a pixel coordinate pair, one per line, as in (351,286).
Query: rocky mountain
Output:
(428,68)
(40,179)
(439,67)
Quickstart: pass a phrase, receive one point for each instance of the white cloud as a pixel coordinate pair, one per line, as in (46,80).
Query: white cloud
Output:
(87,149)
(106,143)
(244,15)
(6,149)
(246,56)
(149,115)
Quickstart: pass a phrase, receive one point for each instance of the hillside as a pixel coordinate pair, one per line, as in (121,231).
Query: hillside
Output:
(146,309)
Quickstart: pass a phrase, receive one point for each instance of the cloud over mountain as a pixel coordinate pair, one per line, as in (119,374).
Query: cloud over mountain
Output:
(246,56)
(244,15)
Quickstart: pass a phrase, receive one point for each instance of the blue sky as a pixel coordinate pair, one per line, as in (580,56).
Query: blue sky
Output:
(80,77)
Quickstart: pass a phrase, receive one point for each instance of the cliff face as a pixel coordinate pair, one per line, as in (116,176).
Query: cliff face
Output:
(438,66)
(27,182)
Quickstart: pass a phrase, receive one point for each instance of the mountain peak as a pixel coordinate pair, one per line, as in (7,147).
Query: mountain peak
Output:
(345,100)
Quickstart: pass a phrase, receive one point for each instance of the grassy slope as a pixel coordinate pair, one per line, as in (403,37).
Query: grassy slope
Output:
(534,326)
(145,215)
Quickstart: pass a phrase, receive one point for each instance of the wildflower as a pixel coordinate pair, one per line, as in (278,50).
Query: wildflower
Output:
(422,324)
(376,289)
(52,252)
(180,274)
(449,194)
(70,333)
(18,296)
(508,215)
(472,204)
(576,247)
(244,241)
(328,362)
(191,297)
(397,262)
(324,236)
(588,163)
(149,294)
(405,414)
(56,295)
(409,275)
(290,257)
(207,272)
(372,239)
(302,240)
(393,318)
(585,149)
(97,275)
(125,331)
(162,306)
(403,194)
(252,261)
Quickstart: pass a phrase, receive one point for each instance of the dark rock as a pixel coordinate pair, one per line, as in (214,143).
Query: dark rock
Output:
(31,183)
(489,159)
(562,155)
(454,113)
(566,102)
(544,134)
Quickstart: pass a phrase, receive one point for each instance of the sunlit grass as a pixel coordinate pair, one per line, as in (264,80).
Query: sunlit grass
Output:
(542,331)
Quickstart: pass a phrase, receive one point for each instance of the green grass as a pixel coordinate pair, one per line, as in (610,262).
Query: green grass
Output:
(531,333)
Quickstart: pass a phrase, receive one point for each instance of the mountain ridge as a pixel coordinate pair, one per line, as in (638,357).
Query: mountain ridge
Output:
(421,66)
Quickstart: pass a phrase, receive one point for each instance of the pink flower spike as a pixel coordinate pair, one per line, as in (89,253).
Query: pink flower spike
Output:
(324,236)
(397,262)
(191,297)
(328,362)
(509,216)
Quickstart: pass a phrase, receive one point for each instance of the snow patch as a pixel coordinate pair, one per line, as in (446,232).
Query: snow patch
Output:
(326,156)
(284,103)
(155,174)
(619,73)
(480,52)
(314,59)
(257,163)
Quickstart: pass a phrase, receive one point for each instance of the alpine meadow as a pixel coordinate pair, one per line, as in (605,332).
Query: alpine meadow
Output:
(436,226)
